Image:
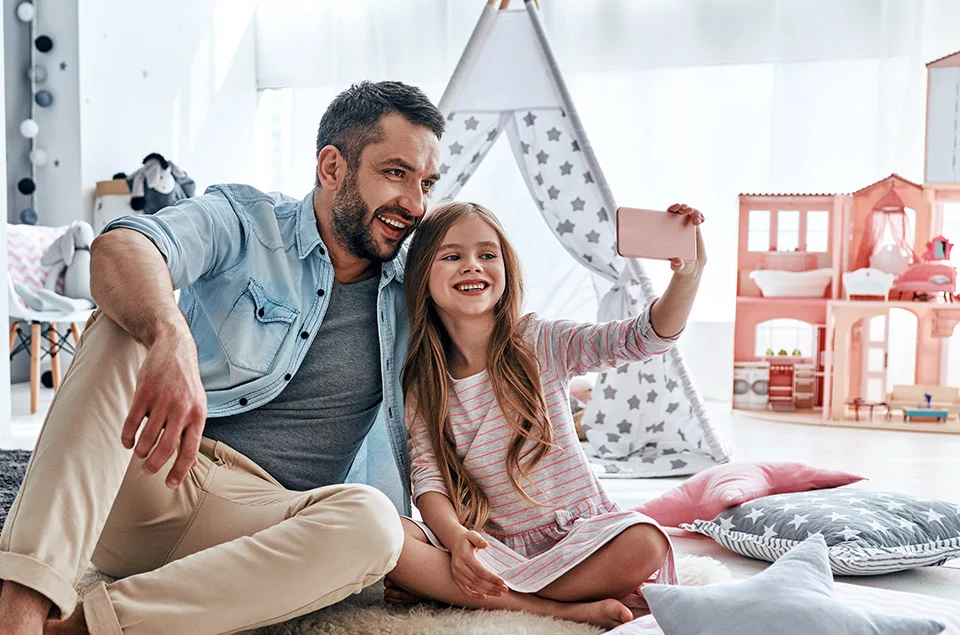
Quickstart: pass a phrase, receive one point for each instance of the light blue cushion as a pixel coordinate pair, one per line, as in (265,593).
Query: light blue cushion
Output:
(794,595)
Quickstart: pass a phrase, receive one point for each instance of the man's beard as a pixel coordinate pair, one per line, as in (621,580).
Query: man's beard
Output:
(353,224)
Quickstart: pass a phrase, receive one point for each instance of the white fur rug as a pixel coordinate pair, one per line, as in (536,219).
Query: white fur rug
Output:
(365,612)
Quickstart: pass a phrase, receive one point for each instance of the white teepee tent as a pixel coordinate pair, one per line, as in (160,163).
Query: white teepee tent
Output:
(644,419)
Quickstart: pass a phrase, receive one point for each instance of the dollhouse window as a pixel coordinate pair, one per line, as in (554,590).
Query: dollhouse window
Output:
(818,231)
(788,230)
(784,335)
(758,230)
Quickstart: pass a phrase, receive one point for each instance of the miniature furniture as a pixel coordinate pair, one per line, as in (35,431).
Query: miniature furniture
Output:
(781,386)
(867,283)
(911,396)
(890,259)
(858,403)
(923,413)
(927,279)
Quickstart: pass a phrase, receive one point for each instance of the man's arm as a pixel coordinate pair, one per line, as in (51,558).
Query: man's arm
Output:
(131,284)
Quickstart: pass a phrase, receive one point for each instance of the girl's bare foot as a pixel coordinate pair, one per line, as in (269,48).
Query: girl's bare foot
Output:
(604,613)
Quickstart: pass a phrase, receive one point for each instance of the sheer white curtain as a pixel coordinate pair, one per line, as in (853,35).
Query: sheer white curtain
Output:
(683,100)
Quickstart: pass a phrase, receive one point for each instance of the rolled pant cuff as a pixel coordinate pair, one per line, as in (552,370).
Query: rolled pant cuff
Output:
(98,611)
(40,577)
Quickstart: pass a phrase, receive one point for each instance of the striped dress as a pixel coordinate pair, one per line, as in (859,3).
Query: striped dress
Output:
(532,545)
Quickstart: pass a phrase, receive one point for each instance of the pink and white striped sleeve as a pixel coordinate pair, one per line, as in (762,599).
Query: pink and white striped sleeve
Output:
(424,474)
(573,348)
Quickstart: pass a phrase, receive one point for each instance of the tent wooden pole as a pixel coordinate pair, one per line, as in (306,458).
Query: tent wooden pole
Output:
(504,4)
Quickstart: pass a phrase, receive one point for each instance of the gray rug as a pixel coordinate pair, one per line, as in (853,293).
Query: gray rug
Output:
(13,465)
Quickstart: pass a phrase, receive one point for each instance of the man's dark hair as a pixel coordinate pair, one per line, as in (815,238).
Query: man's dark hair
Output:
(351,121)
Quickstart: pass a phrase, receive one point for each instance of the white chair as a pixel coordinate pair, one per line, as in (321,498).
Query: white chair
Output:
(867,282)
(26,245)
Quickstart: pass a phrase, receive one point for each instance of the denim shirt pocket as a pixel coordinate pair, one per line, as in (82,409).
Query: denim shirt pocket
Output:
(255,329)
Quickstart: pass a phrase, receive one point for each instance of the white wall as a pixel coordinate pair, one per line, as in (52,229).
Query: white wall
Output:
(178,78)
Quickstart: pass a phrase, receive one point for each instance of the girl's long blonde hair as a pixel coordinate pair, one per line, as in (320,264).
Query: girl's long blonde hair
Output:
(512,366)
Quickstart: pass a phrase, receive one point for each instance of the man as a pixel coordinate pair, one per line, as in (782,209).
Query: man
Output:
(251,399)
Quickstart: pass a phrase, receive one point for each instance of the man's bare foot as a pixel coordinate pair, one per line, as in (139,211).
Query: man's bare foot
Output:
(76,624)
(605,613)
(22,610)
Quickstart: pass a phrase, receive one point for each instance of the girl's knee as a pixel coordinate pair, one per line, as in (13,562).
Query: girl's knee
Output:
(412,531)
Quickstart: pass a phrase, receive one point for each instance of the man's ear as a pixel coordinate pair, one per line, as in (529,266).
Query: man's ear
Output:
(331,168)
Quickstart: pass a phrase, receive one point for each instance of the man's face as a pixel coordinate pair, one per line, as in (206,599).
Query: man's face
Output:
(384,196)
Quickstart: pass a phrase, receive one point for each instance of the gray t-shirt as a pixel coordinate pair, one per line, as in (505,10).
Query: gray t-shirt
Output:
(310,433)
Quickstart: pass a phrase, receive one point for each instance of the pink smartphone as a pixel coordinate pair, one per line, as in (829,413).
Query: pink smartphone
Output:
(647,233)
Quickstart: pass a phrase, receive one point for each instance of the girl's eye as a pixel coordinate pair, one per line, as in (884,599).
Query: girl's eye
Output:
(451,257)
(488,256)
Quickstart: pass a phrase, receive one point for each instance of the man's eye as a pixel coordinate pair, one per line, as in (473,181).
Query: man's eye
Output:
(396,172)
(428,185)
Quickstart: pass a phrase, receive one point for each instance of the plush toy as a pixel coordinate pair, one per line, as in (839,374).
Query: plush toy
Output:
(158,184)
(69,256)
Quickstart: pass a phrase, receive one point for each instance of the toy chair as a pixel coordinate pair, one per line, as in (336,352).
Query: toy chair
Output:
(26,274)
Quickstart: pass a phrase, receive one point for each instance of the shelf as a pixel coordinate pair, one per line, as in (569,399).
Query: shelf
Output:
(751,299)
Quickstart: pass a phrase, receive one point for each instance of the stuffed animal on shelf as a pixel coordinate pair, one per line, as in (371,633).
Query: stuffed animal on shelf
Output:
(69,256)
(158,184)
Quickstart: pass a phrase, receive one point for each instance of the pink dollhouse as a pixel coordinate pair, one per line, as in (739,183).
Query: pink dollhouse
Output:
(821,277)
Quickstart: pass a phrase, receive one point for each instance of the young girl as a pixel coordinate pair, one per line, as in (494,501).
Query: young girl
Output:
(514,517)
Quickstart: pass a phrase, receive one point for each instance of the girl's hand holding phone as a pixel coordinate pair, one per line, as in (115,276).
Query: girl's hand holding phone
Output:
(687,268)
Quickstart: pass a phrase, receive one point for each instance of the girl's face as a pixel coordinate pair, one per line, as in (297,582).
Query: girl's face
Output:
(467,275)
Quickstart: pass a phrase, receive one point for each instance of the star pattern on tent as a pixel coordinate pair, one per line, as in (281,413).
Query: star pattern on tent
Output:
(566,227)
(541,204)
(456,148)
(609,392)
(553,193)
(492,134)
(529,118)
(671,384)
(672,407)
(651,396)
(553,134)
(542,157)
(677,464)
(475,158)
(624,427)
(634,403)
(601,417)
(655,428)
(444,168)
(682,436)
(525,147)
(602,215)
(593,236)
(566,168)
(587,178)
(575,146)
(471,123)
(577,204)
(539,179)
(613,438)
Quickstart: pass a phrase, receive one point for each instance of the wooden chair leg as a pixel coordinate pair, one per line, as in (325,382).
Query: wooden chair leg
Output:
(75,332)
(14,329)
(53,336)
(34,367)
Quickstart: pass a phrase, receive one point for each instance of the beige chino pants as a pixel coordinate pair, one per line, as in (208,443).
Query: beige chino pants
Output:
(228,550)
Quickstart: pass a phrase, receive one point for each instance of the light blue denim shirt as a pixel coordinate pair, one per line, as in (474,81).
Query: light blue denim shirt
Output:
(255,280)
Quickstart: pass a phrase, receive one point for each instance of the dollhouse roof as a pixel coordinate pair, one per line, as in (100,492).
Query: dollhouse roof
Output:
(953,59)
(887,178)
(785,195)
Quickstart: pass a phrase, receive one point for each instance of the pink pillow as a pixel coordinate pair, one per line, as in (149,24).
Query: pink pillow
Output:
(708,493)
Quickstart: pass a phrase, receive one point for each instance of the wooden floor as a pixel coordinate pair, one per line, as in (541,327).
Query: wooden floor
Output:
(910,462)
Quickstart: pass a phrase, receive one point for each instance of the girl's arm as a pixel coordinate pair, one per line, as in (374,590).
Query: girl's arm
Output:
(431,498)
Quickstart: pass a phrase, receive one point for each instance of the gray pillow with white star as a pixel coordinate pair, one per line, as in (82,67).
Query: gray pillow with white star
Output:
(868,533)
(796,593)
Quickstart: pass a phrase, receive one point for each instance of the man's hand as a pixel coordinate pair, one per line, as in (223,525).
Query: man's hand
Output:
(469,573)
(170,396)
(690,267)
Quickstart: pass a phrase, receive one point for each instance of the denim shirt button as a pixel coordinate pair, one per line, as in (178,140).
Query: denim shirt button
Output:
(260,312)
(287,377)
(321,250)
(243,401)
(304,335)
(320,292)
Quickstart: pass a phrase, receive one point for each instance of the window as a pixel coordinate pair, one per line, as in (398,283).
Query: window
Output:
(785,335)
(758,230)
(788,230)
(951,229)
(818,231)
